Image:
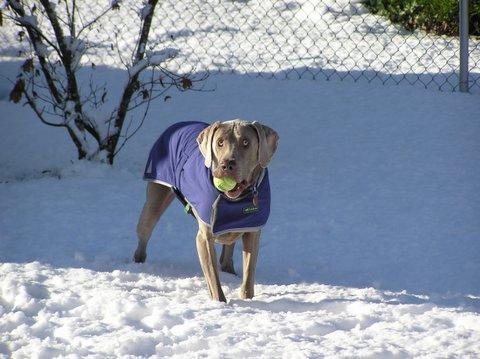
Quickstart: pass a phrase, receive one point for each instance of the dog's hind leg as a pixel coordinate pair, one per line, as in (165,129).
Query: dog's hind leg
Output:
(226,258)
(158,199)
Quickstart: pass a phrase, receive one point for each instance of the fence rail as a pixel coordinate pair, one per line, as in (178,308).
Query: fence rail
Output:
(315,39)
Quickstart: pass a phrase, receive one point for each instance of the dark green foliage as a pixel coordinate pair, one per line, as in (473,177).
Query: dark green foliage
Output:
(437,16)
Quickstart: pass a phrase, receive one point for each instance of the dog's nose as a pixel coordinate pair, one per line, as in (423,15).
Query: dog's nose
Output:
(228,165)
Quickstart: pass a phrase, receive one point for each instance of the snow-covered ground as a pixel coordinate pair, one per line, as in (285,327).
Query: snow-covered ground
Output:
(57,311)
(371,250)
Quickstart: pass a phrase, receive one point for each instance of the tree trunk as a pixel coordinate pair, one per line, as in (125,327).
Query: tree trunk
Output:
(131,85)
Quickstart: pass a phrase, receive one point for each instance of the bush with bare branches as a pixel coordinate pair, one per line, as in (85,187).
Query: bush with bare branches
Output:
(49,77)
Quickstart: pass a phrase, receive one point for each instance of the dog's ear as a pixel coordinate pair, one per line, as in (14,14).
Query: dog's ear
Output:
(204,141)
(267,143)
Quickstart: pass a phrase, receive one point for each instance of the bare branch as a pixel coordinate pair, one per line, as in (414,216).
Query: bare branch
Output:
(130,88)
(165,90)
(72,88)
(37,44)
(117,47)
(80,17)
(57,93)
(90,23)
(127,137)
(72,26)
(23,23)
(33,105)
(57,29)
(70,18)
(82,153)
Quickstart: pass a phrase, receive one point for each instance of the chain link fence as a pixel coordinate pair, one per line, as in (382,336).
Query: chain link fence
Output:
(313,39)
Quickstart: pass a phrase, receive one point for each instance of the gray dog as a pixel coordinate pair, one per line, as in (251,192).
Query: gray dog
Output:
(183,162)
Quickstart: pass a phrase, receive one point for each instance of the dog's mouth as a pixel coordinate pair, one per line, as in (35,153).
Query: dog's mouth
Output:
(237,190)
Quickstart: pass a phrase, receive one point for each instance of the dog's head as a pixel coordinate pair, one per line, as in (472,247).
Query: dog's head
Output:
(238,149)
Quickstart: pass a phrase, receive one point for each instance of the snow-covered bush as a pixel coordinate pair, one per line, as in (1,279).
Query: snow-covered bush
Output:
(50,83)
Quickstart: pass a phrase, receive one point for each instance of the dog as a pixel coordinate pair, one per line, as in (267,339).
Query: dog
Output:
(183,162)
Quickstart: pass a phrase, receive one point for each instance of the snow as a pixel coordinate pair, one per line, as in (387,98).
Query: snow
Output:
(70,106)
(42,49)
(138,314)
(145,11)
(29,20)
(371,249)
(77,48)
(153,58)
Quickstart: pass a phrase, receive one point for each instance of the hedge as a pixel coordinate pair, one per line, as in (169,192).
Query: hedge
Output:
(437,16)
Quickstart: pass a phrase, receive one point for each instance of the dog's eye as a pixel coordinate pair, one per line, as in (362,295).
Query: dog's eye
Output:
(245,142)
(220,143)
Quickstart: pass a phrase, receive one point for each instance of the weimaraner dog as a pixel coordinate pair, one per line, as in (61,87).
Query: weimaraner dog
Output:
(183,162)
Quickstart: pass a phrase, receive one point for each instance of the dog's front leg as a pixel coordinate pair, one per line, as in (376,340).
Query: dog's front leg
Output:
(208,261)
(251,242)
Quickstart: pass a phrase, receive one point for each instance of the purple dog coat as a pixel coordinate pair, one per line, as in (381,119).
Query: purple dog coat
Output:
(175,161)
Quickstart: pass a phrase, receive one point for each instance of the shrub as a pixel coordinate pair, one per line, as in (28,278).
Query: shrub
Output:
(437,16)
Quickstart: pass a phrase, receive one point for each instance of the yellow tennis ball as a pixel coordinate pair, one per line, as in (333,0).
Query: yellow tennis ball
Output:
(224,184)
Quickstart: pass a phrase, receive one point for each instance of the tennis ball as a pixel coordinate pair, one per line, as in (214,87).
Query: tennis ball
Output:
(224,184)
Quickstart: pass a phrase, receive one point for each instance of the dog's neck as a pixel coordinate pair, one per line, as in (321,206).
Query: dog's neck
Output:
(256,173)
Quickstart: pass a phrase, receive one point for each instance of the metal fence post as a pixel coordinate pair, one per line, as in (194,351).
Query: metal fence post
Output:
(463,34)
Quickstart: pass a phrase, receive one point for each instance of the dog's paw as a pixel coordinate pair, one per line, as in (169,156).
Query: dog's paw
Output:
(228,268)
(246,293)
(220,297)
(139,256)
